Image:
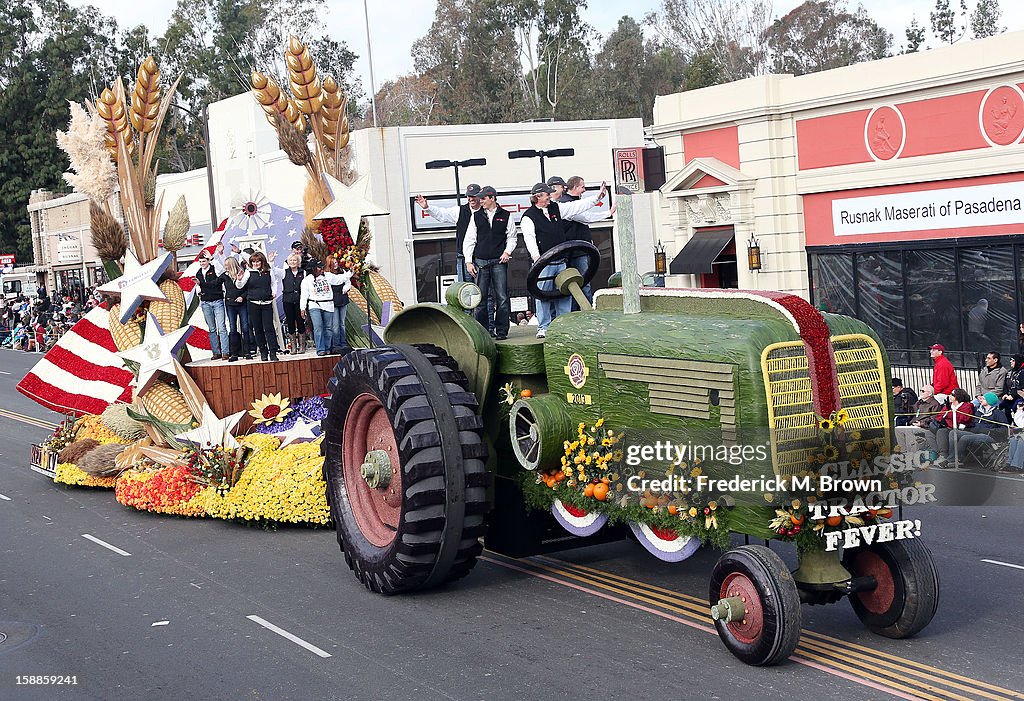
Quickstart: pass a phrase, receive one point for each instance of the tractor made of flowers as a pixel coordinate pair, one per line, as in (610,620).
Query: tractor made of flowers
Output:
(445,440)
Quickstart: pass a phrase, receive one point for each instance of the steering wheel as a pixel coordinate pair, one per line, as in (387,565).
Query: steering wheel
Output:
(563,252)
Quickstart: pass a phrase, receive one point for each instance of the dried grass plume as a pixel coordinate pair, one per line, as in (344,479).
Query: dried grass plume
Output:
(95,174)
(108,238)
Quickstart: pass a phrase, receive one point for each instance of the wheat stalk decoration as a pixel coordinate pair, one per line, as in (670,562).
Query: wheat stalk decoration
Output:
(146,97)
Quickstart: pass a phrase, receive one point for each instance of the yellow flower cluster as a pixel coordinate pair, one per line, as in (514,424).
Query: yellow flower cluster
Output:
(591,449)
(91,426)
(285,485)
(70,474)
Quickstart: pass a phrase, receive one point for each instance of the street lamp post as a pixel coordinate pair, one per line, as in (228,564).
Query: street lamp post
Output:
(205,121)
(460,273)
(550,153)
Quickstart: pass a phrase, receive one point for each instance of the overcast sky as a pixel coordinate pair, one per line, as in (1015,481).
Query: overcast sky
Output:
(396,24)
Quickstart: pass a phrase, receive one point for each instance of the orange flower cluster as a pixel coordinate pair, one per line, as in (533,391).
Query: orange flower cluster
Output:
(166,491)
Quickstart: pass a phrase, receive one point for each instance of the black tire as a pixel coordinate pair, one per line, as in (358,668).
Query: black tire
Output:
(438,437)
(907,595)
(756,570)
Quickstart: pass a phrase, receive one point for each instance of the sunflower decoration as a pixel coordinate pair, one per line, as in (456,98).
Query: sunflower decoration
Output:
(270,408)
(827,425)
(842,416)
(830,453)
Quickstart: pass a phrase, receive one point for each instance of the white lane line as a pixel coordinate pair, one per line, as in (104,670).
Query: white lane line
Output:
(106,545)
(4,373)
(159,623)
(5,497)
(1004,564)
(285,634)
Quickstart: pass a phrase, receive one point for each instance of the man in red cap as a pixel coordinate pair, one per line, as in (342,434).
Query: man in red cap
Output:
(943,376)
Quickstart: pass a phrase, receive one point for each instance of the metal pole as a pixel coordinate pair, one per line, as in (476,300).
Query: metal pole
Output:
(369,57)
(627,254)
(458,188)
(209,168)
(542,178)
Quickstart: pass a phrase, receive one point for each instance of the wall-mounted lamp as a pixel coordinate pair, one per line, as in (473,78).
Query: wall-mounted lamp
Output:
(753,254)
(660,260)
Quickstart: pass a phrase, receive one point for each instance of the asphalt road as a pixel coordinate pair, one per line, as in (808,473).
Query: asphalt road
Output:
(204,609)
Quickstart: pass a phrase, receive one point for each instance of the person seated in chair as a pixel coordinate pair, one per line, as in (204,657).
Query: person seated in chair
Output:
(989,427)
(912,436)
(960,415)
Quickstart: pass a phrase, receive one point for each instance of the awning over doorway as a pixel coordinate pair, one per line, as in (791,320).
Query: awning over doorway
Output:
(700,252)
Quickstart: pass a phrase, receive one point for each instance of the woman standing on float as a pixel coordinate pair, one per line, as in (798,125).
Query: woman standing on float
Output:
(262,284)
(292,293)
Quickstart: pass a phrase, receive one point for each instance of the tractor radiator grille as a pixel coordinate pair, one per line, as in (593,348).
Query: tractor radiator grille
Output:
(862,392)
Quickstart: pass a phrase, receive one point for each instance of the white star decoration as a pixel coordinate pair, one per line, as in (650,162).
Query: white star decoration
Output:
(350,203)
(213,430)
(156,352)
(301,431)
(137,283)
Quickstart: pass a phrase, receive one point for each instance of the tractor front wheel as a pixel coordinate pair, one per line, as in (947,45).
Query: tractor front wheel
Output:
(755,605)
(405,464)
(906,592)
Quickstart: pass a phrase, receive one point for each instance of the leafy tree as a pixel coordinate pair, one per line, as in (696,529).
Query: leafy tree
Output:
(985,19)
(725,33)
(915,37)
(52,51)
(946,27)
(822,34)
(409,100)
(629,71)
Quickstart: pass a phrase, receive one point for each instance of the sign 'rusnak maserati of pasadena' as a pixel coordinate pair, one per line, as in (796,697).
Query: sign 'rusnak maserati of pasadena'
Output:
(948,208)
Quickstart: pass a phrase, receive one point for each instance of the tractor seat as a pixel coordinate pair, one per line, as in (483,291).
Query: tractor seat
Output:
(522,353)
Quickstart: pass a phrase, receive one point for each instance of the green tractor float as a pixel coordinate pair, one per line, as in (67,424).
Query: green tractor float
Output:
(445,440)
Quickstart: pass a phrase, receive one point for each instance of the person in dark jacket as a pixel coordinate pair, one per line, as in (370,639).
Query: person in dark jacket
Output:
(911,436)
(211,295)
(904,399)
(240,341)
(989,427)
(261,283)
(291,292)
(341,283)
(959,415)
(1014,391)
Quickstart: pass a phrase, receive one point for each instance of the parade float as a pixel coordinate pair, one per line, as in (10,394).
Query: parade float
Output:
(436,438)
(150,414)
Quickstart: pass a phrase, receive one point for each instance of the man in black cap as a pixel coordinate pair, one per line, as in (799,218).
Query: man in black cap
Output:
(579,230)
(558,186)
(543,226)
(490,240)
(300,248)
(460,217)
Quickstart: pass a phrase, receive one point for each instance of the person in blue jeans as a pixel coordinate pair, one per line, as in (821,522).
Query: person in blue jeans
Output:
(490,240)
(572,190)
(341,283)
(544,227)
(235,304)
(210,280)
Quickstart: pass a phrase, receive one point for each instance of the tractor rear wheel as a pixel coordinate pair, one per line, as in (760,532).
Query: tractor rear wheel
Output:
(906,594)
(755,605)
(405,465)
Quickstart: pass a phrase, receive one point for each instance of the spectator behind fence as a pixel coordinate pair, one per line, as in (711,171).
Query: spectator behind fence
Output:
(960,414)
(904,399)
(992,378)
(912,437)
(1015,458)
(943,376)
(988,428)
(1014,385)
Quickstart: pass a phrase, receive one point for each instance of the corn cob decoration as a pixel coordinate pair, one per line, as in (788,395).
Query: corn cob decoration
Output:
(171,313)
(357,298)
(176,228)
(146,97)
(305,83)
(269,95)
(165,403)
(125,335)
(385,291)
(110,107)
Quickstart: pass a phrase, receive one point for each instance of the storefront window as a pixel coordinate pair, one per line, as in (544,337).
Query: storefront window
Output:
(880,295)
(833,283)
(988,299)
(933,298)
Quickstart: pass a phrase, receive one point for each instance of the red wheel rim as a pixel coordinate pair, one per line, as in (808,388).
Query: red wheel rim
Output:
(747,630)
(377,511)
(881,599)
